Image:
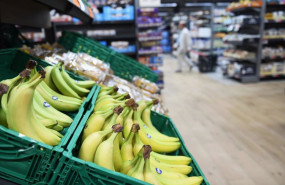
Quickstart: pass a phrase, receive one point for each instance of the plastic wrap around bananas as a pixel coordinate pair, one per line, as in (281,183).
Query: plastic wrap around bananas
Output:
(120,136)
(31,103)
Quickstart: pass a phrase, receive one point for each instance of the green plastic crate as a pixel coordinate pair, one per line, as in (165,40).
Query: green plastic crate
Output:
(72,170)
(123,66)
(22,159)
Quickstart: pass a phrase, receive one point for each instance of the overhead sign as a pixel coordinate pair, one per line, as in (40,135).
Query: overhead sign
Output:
(150,3)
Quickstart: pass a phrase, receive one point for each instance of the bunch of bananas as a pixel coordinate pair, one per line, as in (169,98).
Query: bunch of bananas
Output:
(31,102)
(122,147)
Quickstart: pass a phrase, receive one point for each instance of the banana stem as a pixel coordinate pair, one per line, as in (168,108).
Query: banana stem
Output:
(146,152)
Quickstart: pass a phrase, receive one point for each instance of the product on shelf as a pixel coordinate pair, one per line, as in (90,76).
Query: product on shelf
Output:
(243,4)
(274,33)
(125,140)
(273,53)
(145,84)
(36,99)
(240,54)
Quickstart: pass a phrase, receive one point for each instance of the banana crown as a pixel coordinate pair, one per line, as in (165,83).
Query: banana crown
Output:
(3,89)
(117,128)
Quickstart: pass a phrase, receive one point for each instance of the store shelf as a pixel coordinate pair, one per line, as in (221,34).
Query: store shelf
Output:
(79,10)
(274,58)
(244,42)
(149,25)
(113,37)
(274,21)
(150,53)
(141,39)
(241,60)
(246,10)
(274,41)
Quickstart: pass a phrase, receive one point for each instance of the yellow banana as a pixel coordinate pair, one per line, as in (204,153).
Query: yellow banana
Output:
(167,174)
(118,161)
(95,122)
(45,110)
(148,173)
(116,112)
(128,124)
(183,169)
(91,143)
(71,82)
(137,170)
(88,84)
(181,181)
(155,135)
(104,155)
(127,165)
(169,159)
(127,146)
(48,79)
(58,101)
(61,84)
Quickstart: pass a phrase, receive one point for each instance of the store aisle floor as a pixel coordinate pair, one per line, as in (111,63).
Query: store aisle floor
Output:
(236,132)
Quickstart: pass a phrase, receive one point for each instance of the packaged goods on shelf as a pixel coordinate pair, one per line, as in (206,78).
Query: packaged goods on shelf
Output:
(240,54)
(238,70)
(119,13)
(273,53)
(122,46)
(145,84)
(240,37)
(275,16)
(110,32)
(243,4)
(274,33)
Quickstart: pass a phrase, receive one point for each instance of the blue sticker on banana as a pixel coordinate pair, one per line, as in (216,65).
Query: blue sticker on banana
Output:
(54,98)
(159,171)
(46,104)
(148,136)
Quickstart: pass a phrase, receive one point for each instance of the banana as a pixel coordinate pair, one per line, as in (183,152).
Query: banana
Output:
(156,135)
(107,91)
(127,165)
(96,122)
(169,159)
(79,90)
(181,181)
(127,146)
(45,110)
(58,101)
(56,133)
(91,143)
(143,104)
(128,122)
(120,119)
(19,108)
(167,174)
(118,161)
(6,87)
(57,127)
(157,145)
(105,151)
(125,96)
(116,112)
(46,135)
(104,104)
(61,84)
(148,173)
(48,123)
(88,84)
(183,169)
(22,118)
(146,118)
(48,78)
(137,171)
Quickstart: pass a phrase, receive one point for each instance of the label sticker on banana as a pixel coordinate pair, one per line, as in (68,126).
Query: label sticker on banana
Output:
(46,104)
(54,98)
(159,171)
(144,126)
(148,136)
(76,81)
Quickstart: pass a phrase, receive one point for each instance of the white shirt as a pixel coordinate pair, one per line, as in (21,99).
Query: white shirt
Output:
(184,41)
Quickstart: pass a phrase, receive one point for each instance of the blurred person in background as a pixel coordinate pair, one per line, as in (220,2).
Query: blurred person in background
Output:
(183,46)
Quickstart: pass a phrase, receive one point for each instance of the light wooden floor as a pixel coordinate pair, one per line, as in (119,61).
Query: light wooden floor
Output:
(235,132)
